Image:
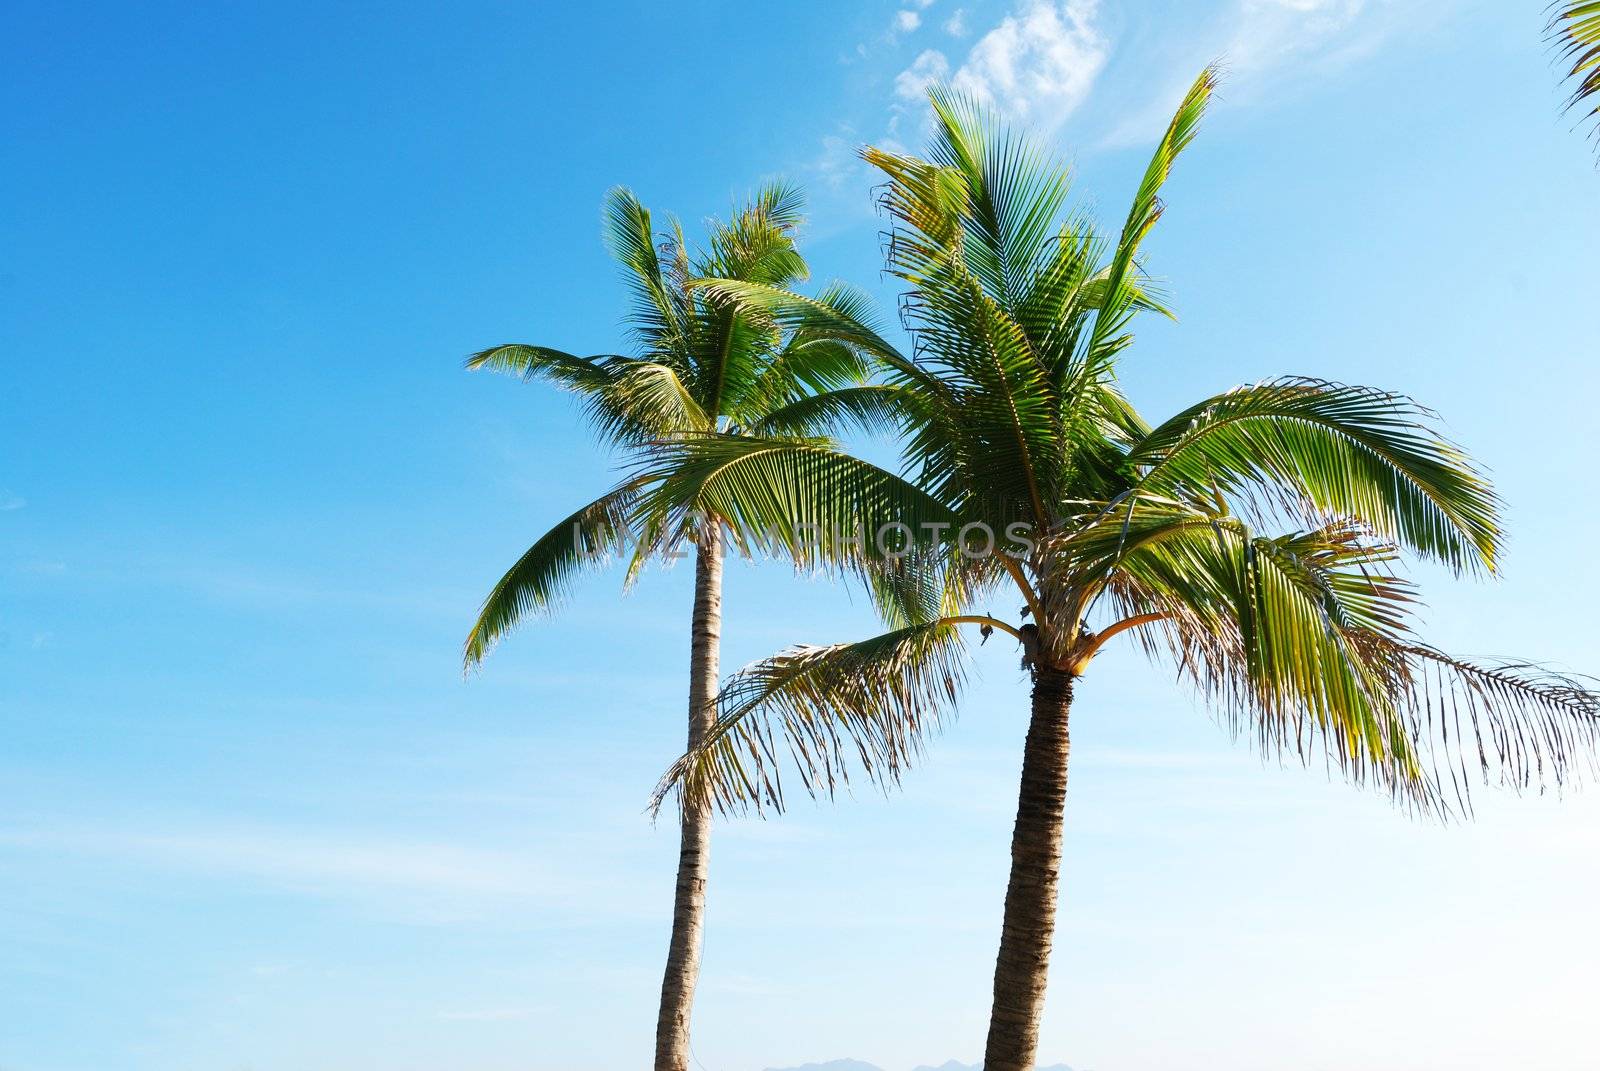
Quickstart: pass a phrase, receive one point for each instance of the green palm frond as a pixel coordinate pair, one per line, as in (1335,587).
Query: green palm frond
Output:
(1520,724)
(1308,641)
(874,702)
(658,312)
(799,497)
(543,575)
(1121,292)
(840,313)
(1014,192)
(1574,31)
(1337,449)
(875,407)
(541,362)
(652,398)
(757,243)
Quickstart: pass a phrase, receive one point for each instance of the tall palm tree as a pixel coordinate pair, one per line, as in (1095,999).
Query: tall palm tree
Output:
(701,365)
(1251,537)
(1574,31)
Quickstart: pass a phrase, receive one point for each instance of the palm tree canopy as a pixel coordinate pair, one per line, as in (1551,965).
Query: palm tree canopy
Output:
(699,365)
(1253,537)
(1574,31)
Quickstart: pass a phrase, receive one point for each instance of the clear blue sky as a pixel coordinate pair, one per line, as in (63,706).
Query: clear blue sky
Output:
(252,816)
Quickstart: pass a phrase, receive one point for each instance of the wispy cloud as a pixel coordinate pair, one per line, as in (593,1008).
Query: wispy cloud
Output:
(10,501)
(929,67)
(1036,65)
(1271,33)
(1261,43)
(1039,63)
(298,857)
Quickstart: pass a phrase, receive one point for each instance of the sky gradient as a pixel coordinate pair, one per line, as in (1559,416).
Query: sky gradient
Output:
(252,816)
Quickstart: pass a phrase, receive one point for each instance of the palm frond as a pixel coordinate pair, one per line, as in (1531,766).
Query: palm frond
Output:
(582,374)
(1343,450)
(1307,639)
(875,408)
(1014,192)
(1574,31)
(798,497)
(544,574)
(658,309)
(1120,289)
(872,703)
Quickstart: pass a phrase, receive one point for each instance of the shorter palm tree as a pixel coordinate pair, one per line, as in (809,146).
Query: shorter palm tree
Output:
(1252,537)
(704,366)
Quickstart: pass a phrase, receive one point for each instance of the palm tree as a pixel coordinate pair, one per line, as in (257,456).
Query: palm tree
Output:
(1251,537)
(702,366)
(1574,31)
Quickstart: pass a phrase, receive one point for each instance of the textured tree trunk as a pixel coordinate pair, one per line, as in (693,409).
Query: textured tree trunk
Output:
(1023,966)
(694,851)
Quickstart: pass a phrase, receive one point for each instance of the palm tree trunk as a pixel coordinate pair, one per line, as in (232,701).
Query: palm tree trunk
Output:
(694,851)
(1023,965)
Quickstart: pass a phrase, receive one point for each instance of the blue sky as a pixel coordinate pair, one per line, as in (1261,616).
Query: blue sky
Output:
(251,814)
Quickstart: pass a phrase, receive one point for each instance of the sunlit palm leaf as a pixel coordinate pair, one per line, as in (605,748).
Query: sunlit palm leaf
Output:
(1574,30)
(1344,450)
(871,703)
(541,577)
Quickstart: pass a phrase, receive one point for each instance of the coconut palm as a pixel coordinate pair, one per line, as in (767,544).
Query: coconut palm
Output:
(1252,537)
(701,365)
(1574,31)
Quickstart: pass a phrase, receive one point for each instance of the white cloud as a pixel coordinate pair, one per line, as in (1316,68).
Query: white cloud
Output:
(956,24)
(906,21)
(316,862)
(911,83)
(10,502)
(1263,45)
(1268,33)
(1039,63)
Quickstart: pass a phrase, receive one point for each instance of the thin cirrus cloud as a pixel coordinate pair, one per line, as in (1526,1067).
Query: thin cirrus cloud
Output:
(1041,61)
(1036,65)
(1260,43)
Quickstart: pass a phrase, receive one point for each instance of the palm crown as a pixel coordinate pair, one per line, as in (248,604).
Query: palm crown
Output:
(702,364)
(1253,536)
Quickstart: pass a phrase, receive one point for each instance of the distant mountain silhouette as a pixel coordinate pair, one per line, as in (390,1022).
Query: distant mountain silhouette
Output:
(858,1065)
(953,1065)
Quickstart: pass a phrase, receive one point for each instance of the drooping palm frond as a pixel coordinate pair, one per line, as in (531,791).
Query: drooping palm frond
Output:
(1343,450)
(538,581)
(1574,32)
(1526,725)
(874,702)
(1307,640)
